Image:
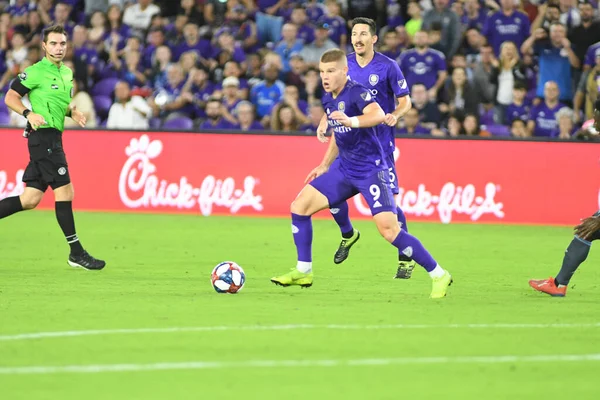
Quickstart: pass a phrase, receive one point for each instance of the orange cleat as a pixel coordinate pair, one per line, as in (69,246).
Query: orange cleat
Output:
(548,286)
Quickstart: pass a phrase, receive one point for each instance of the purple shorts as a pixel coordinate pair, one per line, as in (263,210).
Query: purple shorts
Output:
(337,187)
(393,174)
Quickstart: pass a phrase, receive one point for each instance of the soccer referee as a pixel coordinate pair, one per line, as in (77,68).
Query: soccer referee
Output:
(49,85)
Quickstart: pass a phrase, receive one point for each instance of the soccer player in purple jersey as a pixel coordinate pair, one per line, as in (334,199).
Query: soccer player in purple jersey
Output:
(352,113)
(388,87)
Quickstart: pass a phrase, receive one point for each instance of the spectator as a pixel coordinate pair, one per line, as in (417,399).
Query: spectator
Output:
(32,29)
(202,90)
(244,113)
(339,31)
(62,10)
(130,69)
(98,31)
(391,45)
(586,34)
(451,28)
(472,127)
(128,112)
(315,114)
(234,70)
(518,128)
(193,41)
(214,113)
(138,16)
(226,43)
(424,65)
(295,76)
(172,101)
(474,17)
(84,104)
(312,52)
(412,125)
(115,22)
(458,94)
(454,126)
(542,118)
(306,32)
(517,109)
(188,61)
(291,96)
(566,127)
(429,114)
(158,74)
(506,72)
(189,8)
(548,14)
(312,85)
(482,77)
(290,44)
(592,87)
(507,24)
(416,20)
(244,29)
(556,57)
(285,118)
(569,14)
(474,42)
(230,98)
(267,93)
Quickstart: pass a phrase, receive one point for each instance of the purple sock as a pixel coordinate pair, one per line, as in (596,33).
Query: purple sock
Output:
(401,219)
(303,235)
(340,214)
(410,246)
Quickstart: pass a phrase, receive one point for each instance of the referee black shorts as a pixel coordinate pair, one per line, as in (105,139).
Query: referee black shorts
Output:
(47,161)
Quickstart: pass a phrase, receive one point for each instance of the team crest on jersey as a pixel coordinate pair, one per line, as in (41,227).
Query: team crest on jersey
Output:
(366,96)
(23,76)
(373,79)
(342,106)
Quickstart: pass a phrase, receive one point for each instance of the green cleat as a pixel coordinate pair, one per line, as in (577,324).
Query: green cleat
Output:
(405,269)
(344,249)
(439,286)
(294,277)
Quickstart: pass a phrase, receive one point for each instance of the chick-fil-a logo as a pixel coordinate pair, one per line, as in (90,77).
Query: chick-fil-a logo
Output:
(451,199)
(8,189)
(139,186)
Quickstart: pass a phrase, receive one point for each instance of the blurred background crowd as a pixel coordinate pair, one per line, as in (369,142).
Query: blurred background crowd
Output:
(475,67)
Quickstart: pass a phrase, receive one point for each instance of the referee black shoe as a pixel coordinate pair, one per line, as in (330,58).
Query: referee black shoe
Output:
(86,261)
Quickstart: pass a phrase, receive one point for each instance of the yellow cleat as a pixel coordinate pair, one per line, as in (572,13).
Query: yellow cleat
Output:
(440,285)
(294,278)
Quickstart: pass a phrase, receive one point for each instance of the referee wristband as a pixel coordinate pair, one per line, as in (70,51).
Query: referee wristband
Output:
(354,122)
(26,112)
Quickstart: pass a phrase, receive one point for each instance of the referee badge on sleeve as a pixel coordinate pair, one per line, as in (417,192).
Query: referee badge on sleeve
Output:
(23,76)
(72,92)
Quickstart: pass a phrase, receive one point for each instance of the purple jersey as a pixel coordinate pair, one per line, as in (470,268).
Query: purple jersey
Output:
(337,28)
(220,124)
(360,152)
(386,82)
(500,28)
(422,68)
(478,22)
(590,55)
(418,130)
(545,119)
(514,111)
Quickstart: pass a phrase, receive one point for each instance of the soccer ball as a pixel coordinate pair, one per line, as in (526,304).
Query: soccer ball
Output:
(228,277)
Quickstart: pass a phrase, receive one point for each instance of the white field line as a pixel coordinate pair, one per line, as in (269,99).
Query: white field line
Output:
(102,332)
(196,365)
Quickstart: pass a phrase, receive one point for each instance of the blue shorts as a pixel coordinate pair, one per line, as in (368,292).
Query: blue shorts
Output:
(337,187)
(393,174)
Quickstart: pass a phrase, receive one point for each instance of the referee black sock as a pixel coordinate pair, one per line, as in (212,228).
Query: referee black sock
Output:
(9,206)
(575,254)
(64,215)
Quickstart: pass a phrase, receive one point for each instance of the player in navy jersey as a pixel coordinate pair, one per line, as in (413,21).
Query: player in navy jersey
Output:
(361,167)
(382,76)
(579,248)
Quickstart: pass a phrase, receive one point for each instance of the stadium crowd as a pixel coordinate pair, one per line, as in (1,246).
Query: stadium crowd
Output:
(475,67)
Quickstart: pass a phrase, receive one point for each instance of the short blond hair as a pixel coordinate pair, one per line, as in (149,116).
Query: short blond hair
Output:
(334,55)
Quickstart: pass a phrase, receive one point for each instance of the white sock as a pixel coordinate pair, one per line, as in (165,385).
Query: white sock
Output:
(304,266)
(437,272)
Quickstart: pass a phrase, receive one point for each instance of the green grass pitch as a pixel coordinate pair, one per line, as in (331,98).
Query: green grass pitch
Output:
(356,334)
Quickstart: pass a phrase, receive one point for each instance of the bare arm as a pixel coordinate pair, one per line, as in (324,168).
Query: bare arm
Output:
(539,19)
(530,128)
(528,44)
(442,75)
(404,104)
(331,153)
(13,101)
